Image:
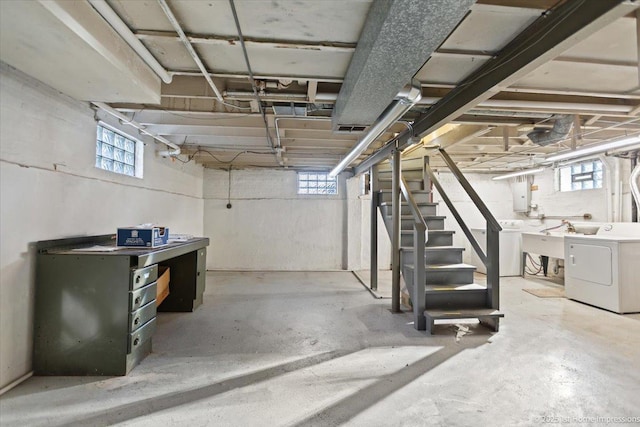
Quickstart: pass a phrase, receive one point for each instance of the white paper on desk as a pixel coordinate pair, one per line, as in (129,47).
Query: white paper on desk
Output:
(179,237)
(98,248)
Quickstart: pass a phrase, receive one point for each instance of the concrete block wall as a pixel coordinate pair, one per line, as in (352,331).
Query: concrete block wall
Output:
(51,189)
(270,226)
(495,194)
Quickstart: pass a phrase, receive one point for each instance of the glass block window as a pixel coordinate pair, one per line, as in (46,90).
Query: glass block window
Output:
(115,152)
(316,183)
(581,176)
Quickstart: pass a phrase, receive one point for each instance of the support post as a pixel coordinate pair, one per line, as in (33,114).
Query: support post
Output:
(395,244)
(373,182)
(419,277)
(493,268)
(426,180)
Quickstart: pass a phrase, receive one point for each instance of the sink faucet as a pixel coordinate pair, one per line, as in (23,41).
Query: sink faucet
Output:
(570,227)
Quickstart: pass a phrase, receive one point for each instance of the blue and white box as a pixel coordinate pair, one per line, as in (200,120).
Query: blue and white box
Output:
(145,237)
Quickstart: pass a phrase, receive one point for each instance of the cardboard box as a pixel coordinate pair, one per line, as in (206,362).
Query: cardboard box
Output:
(162,284)
(151,237)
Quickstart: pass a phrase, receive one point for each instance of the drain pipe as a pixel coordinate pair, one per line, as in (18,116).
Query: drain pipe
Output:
(176,26)
(608,186)
(127,35)
(408,97)
(635,191)
(130,122)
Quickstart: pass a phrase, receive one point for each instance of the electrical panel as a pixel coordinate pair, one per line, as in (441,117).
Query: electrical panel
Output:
(521,190)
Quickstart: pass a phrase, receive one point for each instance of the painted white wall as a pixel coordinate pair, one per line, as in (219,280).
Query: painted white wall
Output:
(495,194)
(568,203)
(359,227)
(270,226)
(50,189)
(498,197)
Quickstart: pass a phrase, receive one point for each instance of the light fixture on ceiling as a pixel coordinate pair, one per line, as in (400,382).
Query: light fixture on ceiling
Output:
(409,96)
(518,173)
(594,149)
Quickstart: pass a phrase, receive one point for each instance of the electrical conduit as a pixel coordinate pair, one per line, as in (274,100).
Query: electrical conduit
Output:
(130,122)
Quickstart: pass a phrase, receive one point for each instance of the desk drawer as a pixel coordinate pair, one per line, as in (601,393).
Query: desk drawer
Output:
(142,315)
(141,335)
(142,296)
(143,276)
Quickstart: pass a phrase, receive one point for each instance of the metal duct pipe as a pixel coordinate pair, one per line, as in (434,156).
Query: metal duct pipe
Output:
(128,121)
(127,35)
(176,26)
(561,128)
(409,96)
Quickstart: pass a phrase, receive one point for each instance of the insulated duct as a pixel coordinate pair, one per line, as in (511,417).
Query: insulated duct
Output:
(560,130)
(407,98)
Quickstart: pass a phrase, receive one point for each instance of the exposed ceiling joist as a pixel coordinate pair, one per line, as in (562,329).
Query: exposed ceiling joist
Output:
(545,39)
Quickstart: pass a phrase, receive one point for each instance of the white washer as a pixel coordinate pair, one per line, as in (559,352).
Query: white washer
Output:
(604,269)
(510,241)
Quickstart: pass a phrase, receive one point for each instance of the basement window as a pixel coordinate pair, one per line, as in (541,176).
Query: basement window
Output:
(581,176)
(316,183)
(117,152)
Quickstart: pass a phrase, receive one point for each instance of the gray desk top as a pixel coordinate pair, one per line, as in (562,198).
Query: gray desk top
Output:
(145,256)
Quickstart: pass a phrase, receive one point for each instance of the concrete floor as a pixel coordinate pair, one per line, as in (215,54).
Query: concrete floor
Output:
(297,349)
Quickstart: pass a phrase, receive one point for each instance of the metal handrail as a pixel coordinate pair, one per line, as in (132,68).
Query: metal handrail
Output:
(413,206)
(492,223)
(456,215)
(420,237)
(491,259)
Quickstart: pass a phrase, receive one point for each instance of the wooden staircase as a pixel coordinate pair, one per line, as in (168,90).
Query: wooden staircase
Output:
(450,291)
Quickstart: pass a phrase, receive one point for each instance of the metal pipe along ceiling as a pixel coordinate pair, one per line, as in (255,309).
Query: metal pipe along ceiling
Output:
(176,26)
(107,109)
(409,96)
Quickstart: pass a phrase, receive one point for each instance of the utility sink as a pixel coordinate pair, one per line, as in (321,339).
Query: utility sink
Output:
(550,244)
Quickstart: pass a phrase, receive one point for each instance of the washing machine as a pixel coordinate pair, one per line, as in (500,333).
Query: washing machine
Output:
(603,270)
(510,241)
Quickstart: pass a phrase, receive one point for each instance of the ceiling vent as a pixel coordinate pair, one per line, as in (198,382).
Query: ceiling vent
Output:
(350,129)
(290,110)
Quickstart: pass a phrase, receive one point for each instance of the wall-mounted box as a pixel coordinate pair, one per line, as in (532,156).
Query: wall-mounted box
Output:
(521,190)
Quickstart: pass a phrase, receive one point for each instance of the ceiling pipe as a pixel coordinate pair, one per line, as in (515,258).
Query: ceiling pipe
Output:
(126,120)
(176,26)
(408,97)
(430,100)
(127,35)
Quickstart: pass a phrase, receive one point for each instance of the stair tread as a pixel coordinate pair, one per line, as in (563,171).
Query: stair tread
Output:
(463,313)
(412,191)
(455,287)
(431,231)
(424,216)
(447,267)
(444,267)
(417,203)
(433,248)
(405,169)
(406,179)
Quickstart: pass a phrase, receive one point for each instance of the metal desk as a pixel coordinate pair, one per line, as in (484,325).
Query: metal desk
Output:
(95,312)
